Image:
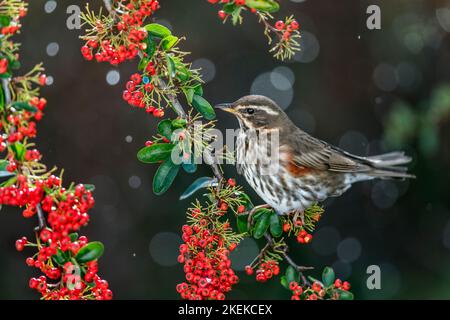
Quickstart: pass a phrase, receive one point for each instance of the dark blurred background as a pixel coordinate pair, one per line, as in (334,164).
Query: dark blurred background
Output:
(365,91)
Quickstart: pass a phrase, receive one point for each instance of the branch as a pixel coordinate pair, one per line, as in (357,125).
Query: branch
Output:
(5,85)
(284,251)
(108,6)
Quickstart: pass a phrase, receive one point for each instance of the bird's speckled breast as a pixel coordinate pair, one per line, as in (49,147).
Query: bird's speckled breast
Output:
(276,186)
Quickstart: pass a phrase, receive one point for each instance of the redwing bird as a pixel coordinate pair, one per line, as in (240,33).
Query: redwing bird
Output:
(308,170)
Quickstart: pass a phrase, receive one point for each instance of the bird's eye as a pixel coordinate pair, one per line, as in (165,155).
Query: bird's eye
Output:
(250,110)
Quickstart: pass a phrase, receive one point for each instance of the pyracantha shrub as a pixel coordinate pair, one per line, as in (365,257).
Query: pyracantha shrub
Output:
(283,35)
(217,224)
(66,261)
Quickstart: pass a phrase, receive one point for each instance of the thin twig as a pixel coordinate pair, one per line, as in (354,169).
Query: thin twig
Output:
(284,251)
(108,6)
(41,219)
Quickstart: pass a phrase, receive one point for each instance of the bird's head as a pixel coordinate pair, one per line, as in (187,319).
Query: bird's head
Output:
(255,112)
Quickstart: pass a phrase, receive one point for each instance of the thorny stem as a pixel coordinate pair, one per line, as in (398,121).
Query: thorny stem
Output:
(288,259)
(260,255)
(41,219)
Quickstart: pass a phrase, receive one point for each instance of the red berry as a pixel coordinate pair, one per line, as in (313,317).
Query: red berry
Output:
(279,25)
(222,14)
(295,25)
(249,270)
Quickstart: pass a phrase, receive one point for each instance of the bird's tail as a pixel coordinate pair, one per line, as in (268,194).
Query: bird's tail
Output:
(389,165)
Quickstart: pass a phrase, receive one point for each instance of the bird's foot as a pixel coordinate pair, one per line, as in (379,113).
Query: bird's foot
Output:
(252,212)
(299,214)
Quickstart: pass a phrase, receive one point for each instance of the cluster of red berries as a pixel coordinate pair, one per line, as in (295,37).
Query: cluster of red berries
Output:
(67,212)
(265,271)
(14,26)
(74,288)
(222,14)
(138,89)
(66,209)
(128,34)
(287,29)
(21,123)
(338,284)
(317,291)
(206,263)
(304,237)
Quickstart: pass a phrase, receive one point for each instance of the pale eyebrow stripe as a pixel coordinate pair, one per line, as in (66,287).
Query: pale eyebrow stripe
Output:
(267,110)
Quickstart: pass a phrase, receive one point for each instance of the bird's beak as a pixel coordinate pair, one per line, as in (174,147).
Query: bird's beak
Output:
(228,107)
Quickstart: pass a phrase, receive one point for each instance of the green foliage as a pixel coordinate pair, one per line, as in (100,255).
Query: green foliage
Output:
(90,252)
(155,153)
(328,276)
(203,107)
(164,176)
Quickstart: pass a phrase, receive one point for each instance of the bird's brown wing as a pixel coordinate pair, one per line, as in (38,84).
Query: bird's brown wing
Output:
(304,151)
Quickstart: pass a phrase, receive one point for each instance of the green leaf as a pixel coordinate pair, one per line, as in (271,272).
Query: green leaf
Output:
(275,225)
(59,257)
(19,150)
(200,183)
(263,5)
(5,75)
(169,42)
(284,282)
(15,64)
(345,295)
(165,128)
(90,252)
(292,275)
(198,90)
(155,153)
(158,30)
(183,73)
(242,223)
(261,226)
(89,187)
(189,93)
(164,176)
(328,276)
(246,201)
(261,211)
(203,107)
(179,123)
(151,47)
(5,20)
(171,66)
(189,166)
(73,236)
(143,63)
(24,106)
(229,8)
